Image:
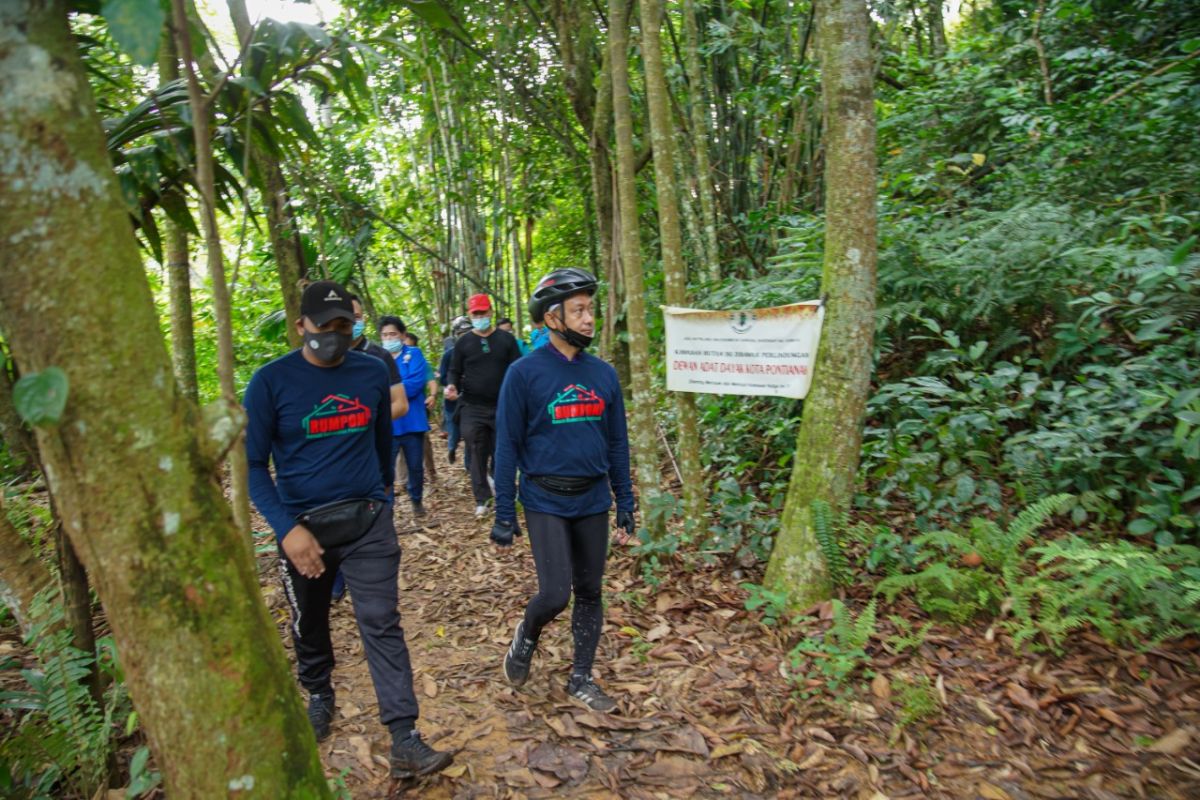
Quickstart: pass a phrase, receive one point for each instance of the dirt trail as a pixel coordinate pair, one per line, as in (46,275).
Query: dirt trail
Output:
(706,710)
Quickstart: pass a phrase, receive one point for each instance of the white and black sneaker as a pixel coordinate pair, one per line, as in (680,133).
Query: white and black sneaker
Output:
(584,690)
(519,656)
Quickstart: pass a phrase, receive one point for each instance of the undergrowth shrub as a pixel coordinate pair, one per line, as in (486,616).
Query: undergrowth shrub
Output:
(63,741)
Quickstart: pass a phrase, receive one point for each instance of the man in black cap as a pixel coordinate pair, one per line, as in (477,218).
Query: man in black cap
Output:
(323,415)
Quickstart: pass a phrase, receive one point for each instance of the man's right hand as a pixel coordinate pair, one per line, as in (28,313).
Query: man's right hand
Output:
(451,392)
(302,549)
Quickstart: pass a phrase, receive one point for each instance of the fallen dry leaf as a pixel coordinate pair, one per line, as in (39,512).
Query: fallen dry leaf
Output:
(1173,743)
(881,687)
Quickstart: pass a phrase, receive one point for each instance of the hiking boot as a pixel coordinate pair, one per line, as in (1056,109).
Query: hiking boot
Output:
(320,712)
(418,509)
(519,656)
(450,456)
(584,690)
(412,758)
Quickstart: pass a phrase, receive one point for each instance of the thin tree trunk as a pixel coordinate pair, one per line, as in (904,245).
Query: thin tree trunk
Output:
(700,132)
(77,603)
(132,481)
(179,267)
(641,417)
(662,136)
(238,470)
(830,437)
(1043,63)
(937,28)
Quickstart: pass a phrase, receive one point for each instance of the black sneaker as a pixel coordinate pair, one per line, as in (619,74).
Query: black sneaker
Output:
(519,657)
(412,758)
(450,456)
(320,712)
(584,690)
(418,510)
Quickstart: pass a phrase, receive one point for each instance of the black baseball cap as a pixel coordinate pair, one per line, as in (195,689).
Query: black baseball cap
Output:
(324,301)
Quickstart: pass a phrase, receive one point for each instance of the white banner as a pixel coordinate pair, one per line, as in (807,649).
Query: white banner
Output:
(760,351)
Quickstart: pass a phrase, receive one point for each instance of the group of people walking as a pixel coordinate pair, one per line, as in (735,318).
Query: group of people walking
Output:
(332,418)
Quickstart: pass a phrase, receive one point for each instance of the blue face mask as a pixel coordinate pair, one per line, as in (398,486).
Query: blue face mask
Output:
(359,327)
(481,324)
(393,345)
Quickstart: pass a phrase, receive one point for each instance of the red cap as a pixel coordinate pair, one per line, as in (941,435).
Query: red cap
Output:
(479,302)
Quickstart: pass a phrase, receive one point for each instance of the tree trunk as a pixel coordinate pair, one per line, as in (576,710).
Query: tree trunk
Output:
(662,136)
(710,249)
(77,603)
(239,472)
(937,28)
(133,484)
(830,437)
(641,416)
(179,268)
(1043,63)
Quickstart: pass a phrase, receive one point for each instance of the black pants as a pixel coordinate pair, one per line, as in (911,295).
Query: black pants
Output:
(371,566)
(569,554)
(478,427)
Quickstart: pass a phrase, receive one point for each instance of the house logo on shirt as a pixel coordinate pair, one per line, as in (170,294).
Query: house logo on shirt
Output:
(337,414)
(576,404)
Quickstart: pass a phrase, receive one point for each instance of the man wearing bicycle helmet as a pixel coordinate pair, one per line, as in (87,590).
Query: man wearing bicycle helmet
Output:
(561,421)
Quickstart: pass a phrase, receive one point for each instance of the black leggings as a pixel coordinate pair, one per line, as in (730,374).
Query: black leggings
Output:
(569,553)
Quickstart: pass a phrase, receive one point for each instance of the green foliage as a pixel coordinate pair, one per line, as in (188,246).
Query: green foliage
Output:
(950,586)
(772,604)
(917,700)
(744,525)
(839,657)
(1128,593)
(825,530)
(908,637)
(141,778)
(40,397)
(64,740)
(137,25)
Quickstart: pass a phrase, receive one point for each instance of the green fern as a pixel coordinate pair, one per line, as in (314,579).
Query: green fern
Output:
(825,531)
(947,588)
(838,657)
(64,739)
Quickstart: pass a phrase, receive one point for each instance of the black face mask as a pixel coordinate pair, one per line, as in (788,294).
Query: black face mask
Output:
(573,338)
(327,347)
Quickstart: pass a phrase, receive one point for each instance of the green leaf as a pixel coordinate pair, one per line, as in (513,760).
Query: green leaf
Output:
(137,26)
(1142,526)
(39,398)
(432,12)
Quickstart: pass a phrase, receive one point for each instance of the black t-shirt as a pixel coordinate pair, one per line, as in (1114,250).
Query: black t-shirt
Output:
(372,349)
(478,364)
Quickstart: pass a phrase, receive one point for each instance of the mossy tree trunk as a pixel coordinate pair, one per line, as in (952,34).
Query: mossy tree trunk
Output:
(641,416)
(22,573)
(697,110)
(830,437)
(179,266)
(662,136)
(133,483)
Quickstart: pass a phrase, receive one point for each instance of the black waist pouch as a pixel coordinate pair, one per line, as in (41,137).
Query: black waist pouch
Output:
(342,521)
(564,485)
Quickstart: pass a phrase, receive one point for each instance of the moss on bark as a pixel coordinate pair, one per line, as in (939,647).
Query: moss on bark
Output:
(137,497)
(830,436)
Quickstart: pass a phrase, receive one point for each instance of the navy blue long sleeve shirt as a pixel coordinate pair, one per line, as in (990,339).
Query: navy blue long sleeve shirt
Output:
(562,418)
(327,429)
